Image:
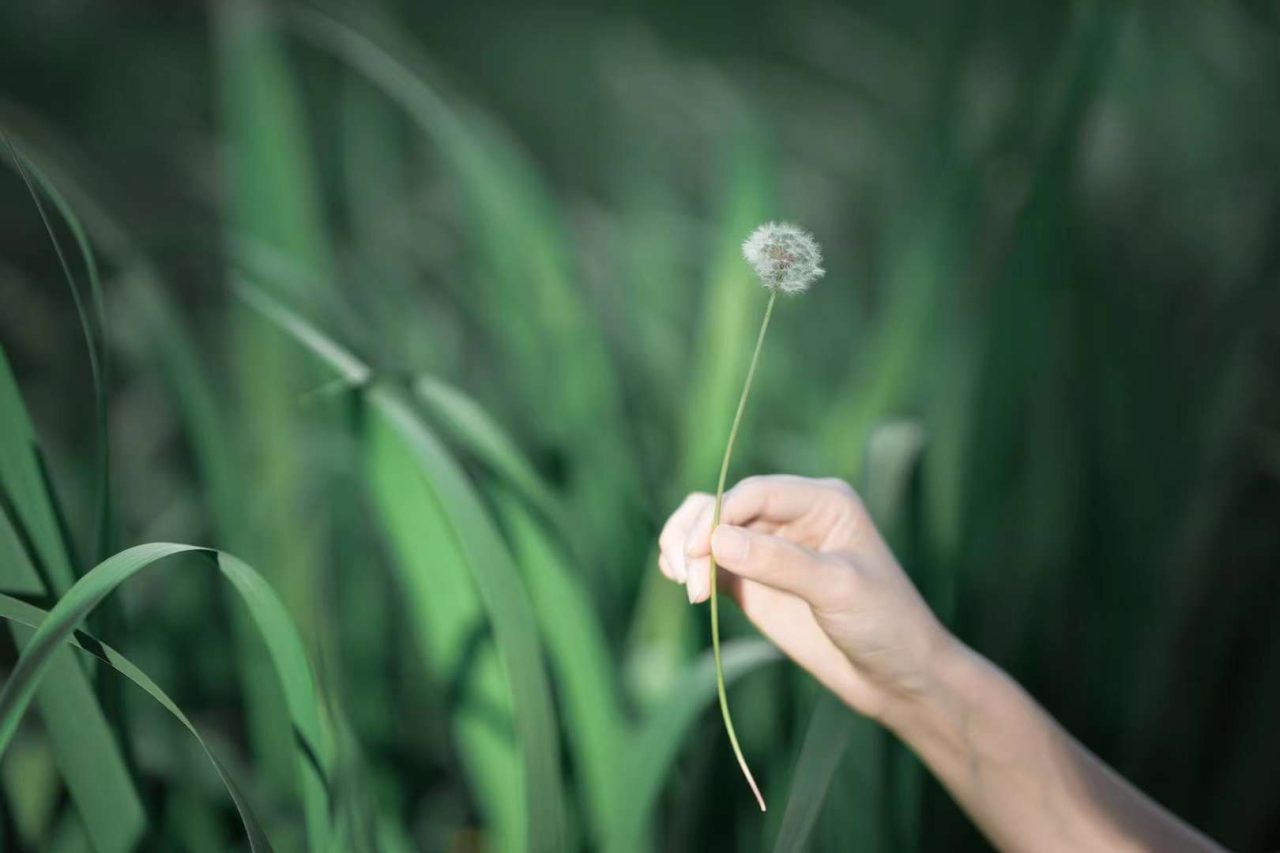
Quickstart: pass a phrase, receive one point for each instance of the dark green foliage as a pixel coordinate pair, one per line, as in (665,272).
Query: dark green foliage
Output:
(432,316)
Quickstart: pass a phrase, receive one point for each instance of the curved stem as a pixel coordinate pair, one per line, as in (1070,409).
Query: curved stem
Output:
(715,521)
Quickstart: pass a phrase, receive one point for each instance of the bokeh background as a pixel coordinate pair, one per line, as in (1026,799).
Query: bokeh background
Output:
(432,312)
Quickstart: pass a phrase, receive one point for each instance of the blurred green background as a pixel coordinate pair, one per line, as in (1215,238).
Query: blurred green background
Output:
(431,315)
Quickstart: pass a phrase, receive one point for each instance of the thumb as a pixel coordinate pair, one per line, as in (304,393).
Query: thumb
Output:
(779,563)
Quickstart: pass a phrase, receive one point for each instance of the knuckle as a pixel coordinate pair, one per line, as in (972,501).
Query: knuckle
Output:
(851,499)
(747,485)
(840,487)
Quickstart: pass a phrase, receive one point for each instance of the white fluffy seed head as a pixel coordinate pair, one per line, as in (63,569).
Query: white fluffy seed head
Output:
(786,258)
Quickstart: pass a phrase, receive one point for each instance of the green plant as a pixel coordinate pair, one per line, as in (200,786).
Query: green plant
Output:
(499,325)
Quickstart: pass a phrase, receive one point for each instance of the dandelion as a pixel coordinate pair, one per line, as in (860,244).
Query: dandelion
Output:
(787,260)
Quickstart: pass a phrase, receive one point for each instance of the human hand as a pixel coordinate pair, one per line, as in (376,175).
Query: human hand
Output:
(804,562)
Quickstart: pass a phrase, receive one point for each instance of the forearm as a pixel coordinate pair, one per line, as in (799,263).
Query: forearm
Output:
(1024,781)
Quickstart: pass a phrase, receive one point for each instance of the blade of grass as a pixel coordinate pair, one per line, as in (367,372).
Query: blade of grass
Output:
(526,272)
(579,655)
(576,645)
(511,617)
(489,562)
(86,750)
(470,427)
(25,614)
(445,612)
(311,737)
(92,318)
(274,204)
(212,437)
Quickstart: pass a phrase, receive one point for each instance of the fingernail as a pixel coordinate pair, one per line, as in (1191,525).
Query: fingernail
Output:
(729,544)
(698,582)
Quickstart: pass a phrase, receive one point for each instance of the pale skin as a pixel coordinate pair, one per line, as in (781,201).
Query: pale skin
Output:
(804,562)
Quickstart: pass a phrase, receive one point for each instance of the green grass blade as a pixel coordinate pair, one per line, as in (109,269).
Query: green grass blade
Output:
(487,559)
(446,612)
(579,655)
(273,195)
(312,746)
(565,380)
(212,437)
(825,741)
(653,751)
(274,205)
(21,613)
(514,220)
(86,750)
(104,521)
(511,617)
(576,647)
(92,327)
(469,427)
(22,482)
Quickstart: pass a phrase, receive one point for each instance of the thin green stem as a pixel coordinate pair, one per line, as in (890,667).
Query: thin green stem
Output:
(715,521)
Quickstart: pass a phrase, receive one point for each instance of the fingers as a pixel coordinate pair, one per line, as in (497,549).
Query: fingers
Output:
(778,563)
(675,534)
(776,499)
(768,502)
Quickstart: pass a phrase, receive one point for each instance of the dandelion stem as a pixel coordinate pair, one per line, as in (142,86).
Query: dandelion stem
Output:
(715,521)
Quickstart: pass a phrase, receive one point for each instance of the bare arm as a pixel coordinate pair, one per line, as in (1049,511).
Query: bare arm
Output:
(1022,779)
(809,569)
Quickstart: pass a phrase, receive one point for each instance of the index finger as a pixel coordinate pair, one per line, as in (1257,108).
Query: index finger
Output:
(773,498)
(777,498)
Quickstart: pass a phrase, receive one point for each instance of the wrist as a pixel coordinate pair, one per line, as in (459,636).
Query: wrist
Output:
(938,691)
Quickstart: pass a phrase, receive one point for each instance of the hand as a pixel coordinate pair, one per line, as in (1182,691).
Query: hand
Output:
(804,562)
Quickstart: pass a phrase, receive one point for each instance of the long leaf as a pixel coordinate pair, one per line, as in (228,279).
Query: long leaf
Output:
(92,316)
(86,750)
(21,613)
(486,558)
(312,748)
(449,622)
(563,366)
(274,204)
(579,656)
(469,426)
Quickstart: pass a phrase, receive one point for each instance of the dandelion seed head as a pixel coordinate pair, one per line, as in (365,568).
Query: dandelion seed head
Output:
(786,258)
